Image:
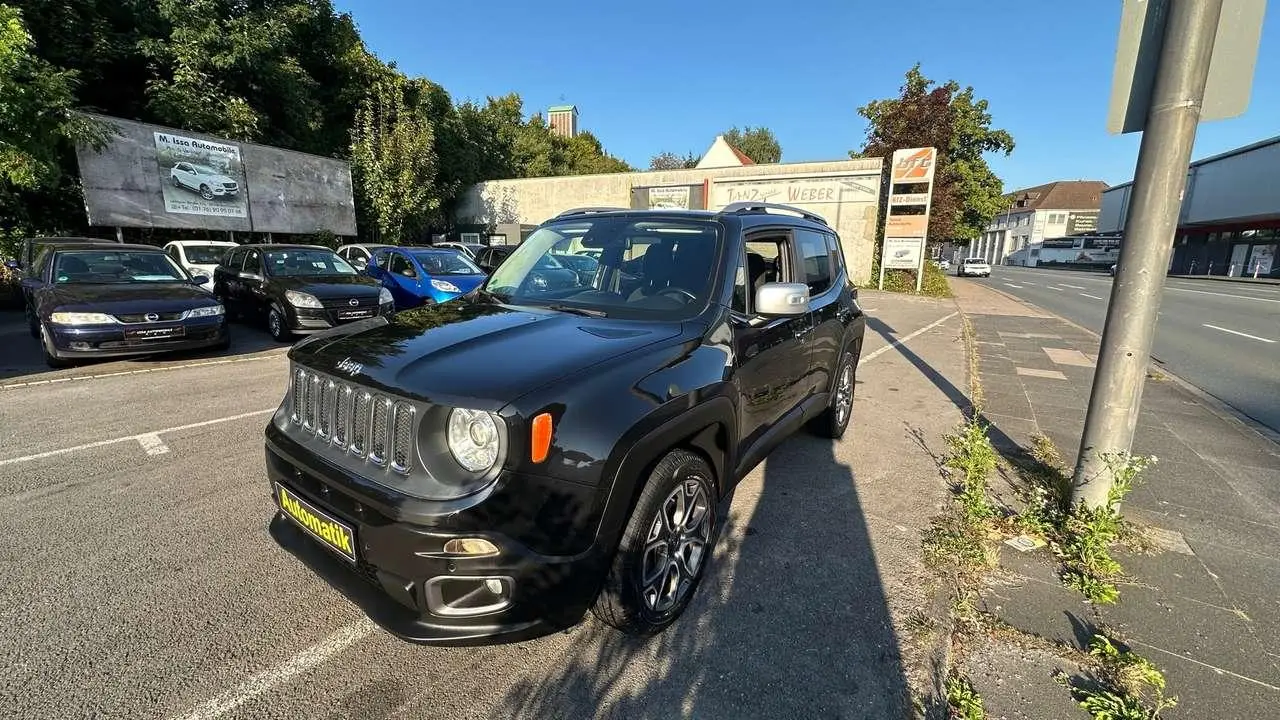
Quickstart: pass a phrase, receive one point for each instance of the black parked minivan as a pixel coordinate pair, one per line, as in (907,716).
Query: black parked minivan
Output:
(299,289)
(491,468)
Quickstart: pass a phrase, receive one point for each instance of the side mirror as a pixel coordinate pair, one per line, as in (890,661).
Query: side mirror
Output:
(251,276)
(781,299)
(359,263)
(200,279)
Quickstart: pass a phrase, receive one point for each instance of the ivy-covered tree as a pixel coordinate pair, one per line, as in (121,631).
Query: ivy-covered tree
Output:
(671,161)
(966,193)
(393,163)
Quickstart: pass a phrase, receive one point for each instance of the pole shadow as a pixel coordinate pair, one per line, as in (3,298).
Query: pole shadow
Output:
(791,620)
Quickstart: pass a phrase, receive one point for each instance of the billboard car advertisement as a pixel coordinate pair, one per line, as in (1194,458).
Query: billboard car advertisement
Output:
(152,176)
(198,177)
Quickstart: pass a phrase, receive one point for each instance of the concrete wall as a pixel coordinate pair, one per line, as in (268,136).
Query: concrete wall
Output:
(846,193)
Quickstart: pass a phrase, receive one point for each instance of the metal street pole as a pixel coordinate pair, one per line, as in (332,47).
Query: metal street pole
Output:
(1158,185)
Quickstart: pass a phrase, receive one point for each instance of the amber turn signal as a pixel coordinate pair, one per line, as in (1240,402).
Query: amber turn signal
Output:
(540,440)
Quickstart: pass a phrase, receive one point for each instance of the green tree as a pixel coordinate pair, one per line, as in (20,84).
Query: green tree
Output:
(393,163)
(584,155)
(757,143)
(966,193)
(671,161)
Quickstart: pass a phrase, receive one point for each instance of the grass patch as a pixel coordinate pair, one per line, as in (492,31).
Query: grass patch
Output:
(934,284)
(1121,685)
(963,701)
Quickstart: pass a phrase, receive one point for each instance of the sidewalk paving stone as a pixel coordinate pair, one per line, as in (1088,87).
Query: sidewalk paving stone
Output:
(1205,607)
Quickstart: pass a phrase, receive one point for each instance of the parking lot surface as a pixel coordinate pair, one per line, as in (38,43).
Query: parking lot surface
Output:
(145,579)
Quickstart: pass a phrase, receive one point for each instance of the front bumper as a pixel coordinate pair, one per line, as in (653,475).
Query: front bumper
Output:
(400,566)
(304,321)
(102,341)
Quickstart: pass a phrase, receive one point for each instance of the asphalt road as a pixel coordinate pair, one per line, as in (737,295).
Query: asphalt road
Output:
(1223,337)
(142,579)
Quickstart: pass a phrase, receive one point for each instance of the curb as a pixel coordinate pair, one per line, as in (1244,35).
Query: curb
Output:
(1215,404)
(1223,278)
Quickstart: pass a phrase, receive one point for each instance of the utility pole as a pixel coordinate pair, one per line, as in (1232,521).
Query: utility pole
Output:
(1158,185)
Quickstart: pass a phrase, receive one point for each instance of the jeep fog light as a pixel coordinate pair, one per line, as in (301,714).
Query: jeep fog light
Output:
(470,546)
(462,596)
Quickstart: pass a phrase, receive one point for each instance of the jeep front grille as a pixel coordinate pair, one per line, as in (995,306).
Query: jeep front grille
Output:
(373,427)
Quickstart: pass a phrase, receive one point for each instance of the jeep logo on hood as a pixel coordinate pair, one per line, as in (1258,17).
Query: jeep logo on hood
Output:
(350,367)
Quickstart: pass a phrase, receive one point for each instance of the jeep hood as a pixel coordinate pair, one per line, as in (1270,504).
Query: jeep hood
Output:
(476,354)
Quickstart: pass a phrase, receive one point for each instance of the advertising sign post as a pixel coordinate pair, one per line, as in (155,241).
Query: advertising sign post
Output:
(905,232)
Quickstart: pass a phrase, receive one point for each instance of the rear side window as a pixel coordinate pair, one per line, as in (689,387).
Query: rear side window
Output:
(815,260)
(837,255)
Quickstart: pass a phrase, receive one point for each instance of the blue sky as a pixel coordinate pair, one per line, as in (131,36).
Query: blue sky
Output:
(661,75)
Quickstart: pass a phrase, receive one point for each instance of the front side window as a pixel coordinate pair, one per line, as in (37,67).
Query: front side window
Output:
(446,263)
(253,261)
(105,267)
(815,260)
(647,268)
(400,265)
(306,262)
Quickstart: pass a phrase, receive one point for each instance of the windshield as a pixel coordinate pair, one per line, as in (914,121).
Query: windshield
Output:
(116,268)
(648,268)
(204,254)
(446,263)
(292,263)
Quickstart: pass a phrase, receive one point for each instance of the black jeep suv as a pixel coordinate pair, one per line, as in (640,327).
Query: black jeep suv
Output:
(489,469)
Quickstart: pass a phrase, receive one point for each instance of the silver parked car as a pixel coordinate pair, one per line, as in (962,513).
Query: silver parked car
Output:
(203,179)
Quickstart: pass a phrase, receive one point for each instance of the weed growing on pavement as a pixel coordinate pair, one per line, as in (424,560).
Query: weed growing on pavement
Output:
(956,542)
(974,459)
(1123,685)
(1087,534)
(963,701)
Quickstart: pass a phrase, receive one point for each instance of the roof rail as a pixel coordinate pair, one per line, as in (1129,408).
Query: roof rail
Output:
(589,210)
(748,206)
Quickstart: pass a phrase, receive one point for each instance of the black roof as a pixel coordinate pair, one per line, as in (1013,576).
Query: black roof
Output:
(283,246)
(747,213)
(109,245)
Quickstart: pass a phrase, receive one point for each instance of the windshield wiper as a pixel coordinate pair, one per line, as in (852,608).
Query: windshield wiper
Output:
(588,312)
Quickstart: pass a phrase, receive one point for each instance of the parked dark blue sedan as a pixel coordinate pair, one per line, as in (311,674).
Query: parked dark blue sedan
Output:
(94,300)
(424,276)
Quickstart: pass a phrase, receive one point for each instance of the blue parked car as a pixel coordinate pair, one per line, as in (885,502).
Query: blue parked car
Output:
(424,276)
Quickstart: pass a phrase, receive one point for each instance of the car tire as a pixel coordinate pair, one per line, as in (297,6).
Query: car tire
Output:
(670,537)
(834,420)
(205,192)
(50,359)
(278,325)
(33,325)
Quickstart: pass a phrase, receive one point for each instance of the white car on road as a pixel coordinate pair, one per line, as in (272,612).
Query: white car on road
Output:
(199,257)
(203,179)
(975,266)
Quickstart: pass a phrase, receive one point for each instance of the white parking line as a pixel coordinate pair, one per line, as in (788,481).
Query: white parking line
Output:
(270,678)
(1013,286)
(1237,332)
(152,443)
(880,351)
(143,371)
(1055,289)
(1095,297)
(146,439)
(1074,287)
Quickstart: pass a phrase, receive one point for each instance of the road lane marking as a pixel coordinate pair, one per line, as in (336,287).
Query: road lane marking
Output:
(1095,297)
(135,438)
(1237,332)
(1074,287)
(1013,286)
(274,355)
(1230,295)
(880,351)
(271,678)
(1055,289)
(152,443)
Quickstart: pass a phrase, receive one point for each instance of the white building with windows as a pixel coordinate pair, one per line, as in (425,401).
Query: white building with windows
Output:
(1052,210)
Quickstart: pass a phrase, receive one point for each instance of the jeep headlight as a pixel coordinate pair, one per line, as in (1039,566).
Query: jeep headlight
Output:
(473,439)
(301,299)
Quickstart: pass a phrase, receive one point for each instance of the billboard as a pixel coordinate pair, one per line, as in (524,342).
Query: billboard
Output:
(157,177)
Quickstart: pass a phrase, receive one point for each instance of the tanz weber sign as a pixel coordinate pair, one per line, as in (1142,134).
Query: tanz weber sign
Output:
(158,177)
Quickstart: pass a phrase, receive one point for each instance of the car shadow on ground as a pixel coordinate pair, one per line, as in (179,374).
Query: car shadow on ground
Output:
(791,620)
(22,357)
